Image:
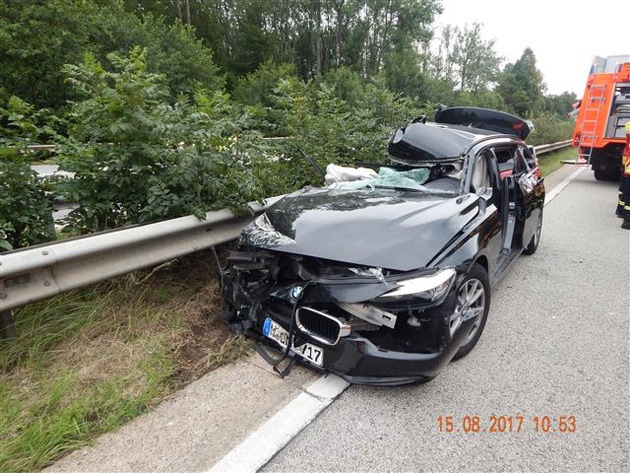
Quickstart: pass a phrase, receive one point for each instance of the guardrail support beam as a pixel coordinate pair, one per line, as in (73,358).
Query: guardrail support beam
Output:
(7,325)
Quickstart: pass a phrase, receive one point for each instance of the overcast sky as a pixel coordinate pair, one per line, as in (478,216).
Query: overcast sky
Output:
(564,35)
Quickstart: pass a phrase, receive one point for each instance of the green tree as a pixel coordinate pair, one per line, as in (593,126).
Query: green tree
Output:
(550,128)
(560,105)
(25,206)
(317,36)
(403,74)
(385,26)
(329,131)
(464,59)
(138,157)
(476,64)
(255,91)
(521,85)
(38,38)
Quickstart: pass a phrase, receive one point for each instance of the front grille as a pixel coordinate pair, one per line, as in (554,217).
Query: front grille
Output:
(321,326)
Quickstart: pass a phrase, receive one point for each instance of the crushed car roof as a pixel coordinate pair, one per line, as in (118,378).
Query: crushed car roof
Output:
(454,131)
(485,118)
(422,142)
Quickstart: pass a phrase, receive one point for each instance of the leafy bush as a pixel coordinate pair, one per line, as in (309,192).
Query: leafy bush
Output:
(139,158)
(325,127)
(25,207)
(37,38)
(549,128)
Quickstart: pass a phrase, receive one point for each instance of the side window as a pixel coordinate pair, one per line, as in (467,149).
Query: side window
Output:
(530,157)
(506,161)
(520,166)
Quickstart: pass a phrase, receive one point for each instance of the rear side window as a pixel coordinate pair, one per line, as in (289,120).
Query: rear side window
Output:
(530,158)
(521,166)
(505,160)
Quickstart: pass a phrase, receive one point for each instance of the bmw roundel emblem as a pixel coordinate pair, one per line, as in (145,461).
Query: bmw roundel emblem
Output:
(296,292)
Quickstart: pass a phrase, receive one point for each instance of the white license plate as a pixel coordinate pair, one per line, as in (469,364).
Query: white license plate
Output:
(276,332)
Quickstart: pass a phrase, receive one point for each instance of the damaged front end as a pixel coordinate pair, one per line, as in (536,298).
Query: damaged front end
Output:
(368,325)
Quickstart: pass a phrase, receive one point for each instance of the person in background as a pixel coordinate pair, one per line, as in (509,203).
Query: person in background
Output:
(623,206)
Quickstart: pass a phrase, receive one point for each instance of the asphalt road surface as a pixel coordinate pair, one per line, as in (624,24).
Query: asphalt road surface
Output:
(556,345)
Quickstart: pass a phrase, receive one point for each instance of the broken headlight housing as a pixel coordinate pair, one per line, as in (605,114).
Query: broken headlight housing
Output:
(432,287)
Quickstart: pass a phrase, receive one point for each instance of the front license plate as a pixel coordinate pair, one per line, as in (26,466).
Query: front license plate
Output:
(276,332)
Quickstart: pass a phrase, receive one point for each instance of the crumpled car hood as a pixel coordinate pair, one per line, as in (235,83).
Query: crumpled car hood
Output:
(381,228)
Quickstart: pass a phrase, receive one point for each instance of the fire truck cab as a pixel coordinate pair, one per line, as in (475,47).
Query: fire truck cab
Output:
(604,110)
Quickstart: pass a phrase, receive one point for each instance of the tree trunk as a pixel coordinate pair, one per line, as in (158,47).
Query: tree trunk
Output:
(318,41)
(338,9)
(179,10)
(389,20)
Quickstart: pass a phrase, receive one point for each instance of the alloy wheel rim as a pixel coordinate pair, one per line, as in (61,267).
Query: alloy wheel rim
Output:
(471,297)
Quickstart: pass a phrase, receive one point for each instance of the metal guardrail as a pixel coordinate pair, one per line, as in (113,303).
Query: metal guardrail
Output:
(35,148)
(38,272)
(542,149)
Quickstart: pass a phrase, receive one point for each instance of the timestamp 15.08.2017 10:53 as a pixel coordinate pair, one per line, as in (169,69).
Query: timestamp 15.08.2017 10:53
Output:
(473,424)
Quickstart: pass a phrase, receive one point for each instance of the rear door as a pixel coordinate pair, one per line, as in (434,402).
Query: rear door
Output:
(530,192)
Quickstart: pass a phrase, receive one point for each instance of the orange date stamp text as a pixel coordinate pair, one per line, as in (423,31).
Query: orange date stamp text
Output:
(500,424)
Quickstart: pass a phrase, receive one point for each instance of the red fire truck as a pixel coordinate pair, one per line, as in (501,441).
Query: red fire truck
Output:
(604,110)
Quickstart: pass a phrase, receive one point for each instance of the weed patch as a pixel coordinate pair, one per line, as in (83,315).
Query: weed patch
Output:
(553,161)
(88,361)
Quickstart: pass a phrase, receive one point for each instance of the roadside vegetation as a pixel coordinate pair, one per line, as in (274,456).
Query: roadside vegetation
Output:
(164,109)
(88,361)
(553,161)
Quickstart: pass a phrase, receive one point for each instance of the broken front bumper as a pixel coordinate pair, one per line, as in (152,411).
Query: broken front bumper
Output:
(345,324)
(359,360)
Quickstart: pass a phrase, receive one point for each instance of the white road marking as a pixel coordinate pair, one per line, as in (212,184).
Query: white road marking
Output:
(257,449)
(560,187)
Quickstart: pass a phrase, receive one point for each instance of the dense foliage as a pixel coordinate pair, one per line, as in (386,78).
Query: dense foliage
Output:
(169,107)
(25,206)
(137,156)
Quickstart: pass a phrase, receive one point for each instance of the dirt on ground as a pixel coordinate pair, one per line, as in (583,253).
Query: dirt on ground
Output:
(189,288)
(177,305)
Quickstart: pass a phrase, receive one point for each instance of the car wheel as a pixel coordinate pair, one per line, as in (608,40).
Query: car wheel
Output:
(606,173)
(473,294)
(531,248)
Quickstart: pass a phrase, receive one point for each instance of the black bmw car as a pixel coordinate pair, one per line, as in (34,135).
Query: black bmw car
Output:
(385,275)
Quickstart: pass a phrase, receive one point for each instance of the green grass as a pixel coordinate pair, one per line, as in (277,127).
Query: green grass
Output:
(552,161)
(88,361)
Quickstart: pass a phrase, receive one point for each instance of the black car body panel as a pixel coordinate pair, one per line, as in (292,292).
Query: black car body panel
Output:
(494,120)
(388,229)
(385,284)
(430,142)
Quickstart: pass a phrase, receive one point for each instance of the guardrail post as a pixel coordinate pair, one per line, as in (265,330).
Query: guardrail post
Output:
(7,325)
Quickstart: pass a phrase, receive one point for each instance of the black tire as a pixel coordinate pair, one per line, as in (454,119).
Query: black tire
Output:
(475,285)
(600,174)
(606,173)
(532,246)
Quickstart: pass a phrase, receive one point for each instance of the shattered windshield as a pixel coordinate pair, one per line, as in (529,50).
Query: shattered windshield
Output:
(386,178)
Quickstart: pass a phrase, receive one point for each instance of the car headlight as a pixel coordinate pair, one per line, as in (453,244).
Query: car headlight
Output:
(431,288)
